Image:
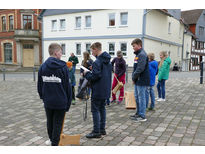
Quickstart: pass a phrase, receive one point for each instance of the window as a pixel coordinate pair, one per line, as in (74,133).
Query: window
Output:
(88,21)
(62,24)
(78,49)
(78,22)
(54,25)
(123,18)
(11,22)
(3,23)
(194,61)
(111,47)
(169,28)
(201,30)
(28,46)
(123,48)
(27,22)
(111,19)
(63,49)
(87,47)
(8,52)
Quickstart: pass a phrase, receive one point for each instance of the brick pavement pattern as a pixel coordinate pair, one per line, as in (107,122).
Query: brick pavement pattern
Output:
(178,121)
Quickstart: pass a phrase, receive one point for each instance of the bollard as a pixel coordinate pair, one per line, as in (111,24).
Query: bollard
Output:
(34,75)
(4,76)
(126,73)
(201,72)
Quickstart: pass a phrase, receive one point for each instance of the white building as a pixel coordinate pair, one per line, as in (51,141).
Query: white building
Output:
(76,30)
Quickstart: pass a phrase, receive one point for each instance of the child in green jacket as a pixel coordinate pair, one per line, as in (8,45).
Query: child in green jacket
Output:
(163,74)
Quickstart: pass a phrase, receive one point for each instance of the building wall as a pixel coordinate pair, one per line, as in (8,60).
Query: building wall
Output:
(157,26)
(99,24)
(70,47)
(201,22)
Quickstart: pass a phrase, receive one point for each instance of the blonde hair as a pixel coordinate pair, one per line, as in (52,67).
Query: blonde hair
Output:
(54,47)
(165,55)
(151,56)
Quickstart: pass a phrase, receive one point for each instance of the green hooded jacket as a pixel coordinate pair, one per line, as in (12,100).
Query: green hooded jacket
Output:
(164,69)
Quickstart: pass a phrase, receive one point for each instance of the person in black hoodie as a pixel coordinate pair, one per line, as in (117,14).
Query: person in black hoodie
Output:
(55,90)
(100,78)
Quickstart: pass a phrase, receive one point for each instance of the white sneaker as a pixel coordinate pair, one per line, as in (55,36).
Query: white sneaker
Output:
(161,100)
(48,142)
(156,98)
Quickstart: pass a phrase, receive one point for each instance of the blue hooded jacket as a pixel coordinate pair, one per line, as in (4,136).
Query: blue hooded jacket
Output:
(100,77)
(53,84)
(153,68)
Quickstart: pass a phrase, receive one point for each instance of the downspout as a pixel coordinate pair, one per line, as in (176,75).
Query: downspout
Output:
(42,41)
(144,25)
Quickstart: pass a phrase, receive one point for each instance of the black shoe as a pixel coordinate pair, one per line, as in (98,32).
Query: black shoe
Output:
(134,116)
(151,109)
(93,135)
(103,132)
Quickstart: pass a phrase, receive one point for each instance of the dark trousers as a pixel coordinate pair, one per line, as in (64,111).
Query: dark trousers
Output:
(73,92)
(99,114)
(161,89)
(54,124)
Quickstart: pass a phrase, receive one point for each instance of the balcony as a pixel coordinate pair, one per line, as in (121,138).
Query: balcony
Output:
(23,34)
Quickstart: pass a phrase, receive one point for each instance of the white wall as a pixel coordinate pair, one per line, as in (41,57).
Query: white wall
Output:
(99,24)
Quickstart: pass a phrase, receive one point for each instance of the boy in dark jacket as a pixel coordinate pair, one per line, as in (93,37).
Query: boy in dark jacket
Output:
(141,79)
(55,91)
(100,78)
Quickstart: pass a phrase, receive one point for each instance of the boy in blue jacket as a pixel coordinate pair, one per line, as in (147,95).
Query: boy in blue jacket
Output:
(55,91)
(153,69)
(100,78)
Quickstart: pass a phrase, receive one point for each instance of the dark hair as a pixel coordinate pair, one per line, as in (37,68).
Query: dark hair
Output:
(96,45)
(137,41)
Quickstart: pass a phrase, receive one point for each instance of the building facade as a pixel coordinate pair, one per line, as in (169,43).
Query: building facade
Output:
(196,21)
(20,38)
(76,30)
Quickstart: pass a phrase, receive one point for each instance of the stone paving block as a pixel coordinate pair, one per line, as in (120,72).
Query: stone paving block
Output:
(128,139)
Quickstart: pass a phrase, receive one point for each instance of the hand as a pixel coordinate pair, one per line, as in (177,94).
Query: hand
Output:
(90,68)
(81,74)
(85,72)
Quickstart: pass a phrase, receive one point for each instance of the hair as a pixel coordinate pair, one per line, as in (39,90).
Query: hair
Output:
(151,56)
(53,47)
(165,55)
(86,57)
(96,45)
(119,54)
(137,41)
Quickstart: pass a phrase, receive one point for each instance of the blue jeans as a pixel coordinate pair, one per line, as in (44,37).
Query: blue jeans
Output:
(99,114)
(150,92)
(140,99)
(74,66)
(161,89)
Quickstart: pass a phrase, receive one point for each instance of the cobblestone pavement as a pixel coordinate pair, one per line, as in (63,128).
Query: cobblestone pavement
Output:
(178,121)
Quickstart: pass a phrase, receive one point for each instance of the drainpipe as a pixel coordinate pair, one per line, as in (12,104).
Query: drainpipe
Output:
(182,49)
(144,25)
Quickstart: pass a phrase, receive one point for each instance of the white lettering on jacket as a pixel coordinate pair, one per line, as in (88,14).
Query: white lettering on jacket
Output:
(51,79)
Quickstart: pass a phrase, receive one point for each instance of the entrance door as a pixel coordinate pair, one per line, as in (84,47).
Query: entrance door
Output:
(28,55)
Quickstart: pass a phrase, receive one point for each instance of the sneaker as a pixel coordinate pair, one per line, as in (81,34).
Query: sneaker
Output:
(157,98)
(119,102)
(48,142)
(134,116)
(140,119)
(103,132)
(113,101)
(161,100)
(151,109)
(73,102)
(93,135)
